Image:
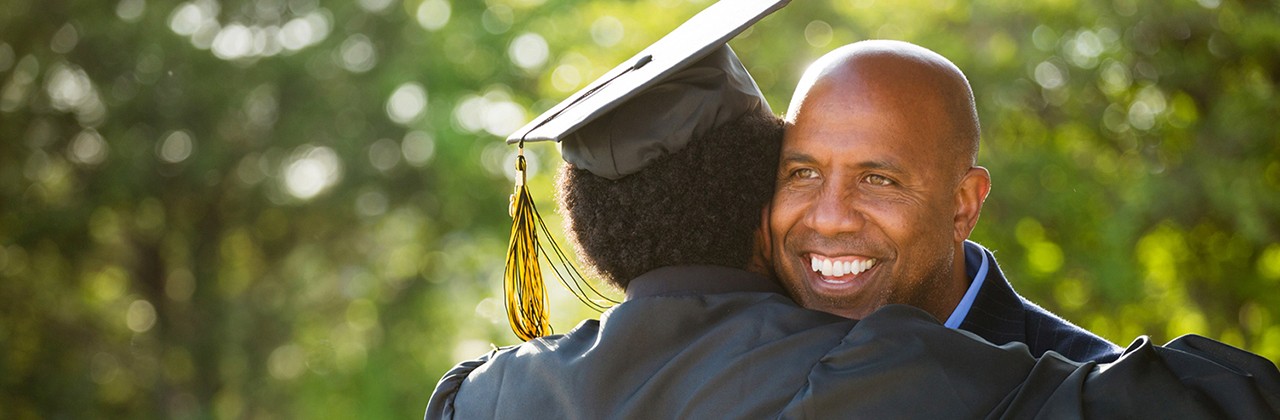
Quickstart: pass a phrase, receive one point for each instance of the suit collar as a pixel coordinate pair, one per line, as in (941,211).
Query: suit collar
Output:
(997,313)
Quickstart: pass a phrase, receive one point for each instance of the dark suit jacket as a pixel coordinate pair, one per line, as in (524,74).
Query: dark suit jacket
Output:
(1000,316)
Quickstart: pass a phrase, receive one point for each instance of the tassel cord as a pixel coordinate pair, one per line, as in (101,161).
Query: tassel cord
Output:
(525,292)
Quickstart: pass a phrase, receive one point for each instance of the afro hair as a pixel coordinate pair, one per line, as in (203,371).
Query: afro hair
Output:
(701,205)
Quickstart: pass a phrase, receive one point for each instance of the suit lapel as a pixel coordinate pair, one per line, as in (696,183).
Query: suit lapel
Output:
(997,314)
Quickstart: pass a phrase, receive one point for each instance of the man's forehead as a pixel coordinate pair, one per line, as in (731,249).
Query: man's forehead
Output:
(864,151)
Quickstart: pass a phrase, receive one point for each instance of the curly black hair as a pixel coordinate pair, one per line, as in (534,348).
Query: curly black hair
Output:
(697,206)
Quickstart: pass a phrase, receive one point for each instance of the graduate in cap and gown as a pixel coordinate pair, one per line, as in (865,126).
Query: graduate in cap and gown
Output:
(670,160)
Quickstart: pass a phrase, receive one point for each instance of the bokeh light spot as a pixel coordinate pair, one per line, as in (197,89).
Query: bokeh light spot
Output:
(818,33)
(362,315)
(1084,49)
(130,10)
(176,147)
(1044,38)
(1114,78)
(88,148)
(418,147)
(180,285)
(108,284)
(65,39)
(566,78)
(371,203)
(69,87)
(607,31)
(1049,76)
(15,91)
(374,6)
(186,19)
(407,103)
(529,51)
(232,42)
(141,316)
(1045,257)
(1269,263)
(305,31)
(310,171)
(6,56)
(104,368)
(497,18)
(357,54)
(503,118)
(433,14)
(287,362)
(494,113)
(384,154)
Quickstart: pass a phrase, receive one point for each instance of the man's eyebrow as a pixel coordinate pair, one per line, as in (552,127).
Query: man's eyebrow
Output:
(882,165)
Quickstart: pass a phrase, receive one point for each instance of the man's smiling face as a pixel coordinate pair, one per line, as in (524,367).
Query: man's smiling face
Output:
(865,212)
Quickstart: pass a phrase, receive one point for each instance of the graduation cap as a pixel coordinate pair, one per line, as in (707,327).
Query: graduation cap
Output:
(677,89)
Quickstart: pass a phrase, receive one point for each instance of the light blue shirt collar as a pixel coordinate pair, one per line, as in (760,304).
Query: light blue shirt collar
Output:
(966,303)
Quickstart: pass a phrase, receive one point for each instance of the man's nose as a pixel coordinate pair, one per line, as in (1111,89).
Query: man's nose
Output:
(835,213)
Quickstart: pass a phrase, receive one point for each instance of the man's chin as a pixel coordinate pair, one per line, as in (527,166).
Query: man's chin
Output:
(840,310)
(843,306)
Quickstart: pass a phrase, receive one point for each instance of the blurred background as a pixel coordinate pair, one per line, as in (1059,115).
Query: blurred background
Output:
(297,208)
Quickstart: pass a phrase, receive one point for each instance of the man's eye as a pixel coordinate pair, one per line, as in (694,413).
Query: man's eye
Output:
(804,173)
(878,180)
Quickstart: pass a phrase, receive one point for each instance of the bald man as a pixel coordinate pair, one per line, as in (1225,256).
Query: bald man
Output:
(878,191)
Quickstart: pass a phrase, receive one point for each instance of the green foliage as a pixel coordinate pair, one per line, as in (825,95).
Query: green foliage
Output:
(283,208)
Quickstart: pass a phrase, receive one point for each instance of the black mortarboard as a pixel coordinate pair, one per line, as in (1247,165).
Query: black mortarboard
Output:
(678,89)
(682,86)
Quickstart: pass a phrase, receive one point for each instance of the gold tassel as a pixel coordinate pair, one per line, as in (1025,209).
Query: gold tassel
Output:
(522,281)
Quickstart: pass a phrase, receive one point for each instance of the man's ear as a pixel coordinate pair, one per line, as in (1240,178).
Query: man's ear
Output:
(970,195)
(762,247)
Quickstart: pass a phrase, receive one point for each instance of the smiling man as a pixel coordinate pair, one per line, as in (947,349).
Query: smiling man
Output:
(878,191)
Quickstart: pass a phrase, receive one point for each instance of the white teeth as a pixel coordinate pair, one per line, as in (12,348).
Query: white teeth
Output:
(832,268)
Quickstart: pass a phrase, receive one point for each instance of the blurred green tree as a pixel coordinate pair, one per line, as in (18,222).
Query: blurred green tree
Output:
(283,208)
